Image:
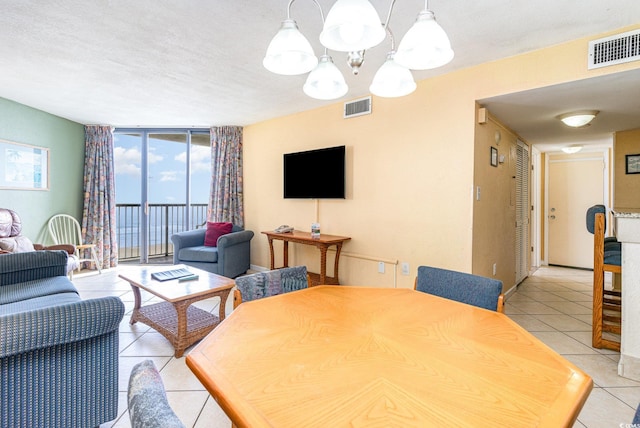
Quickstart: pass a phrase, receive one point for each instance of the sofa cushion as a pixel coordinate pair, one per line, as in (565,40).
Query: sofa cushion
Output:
(200,253)
(214,231)
(38,288)
(36,303)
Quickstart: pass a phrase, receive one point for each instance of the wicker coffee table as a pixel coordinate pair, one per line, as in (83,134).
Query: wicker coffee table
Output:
(175,318)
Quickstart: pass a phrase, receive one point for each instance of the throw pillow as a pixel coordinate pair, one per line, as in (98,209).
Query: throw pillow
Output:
(214,231)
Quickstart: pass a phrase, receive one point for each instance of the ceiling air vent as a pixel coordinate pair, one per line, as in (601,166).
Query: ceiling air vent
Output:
(613,50)
(357,107)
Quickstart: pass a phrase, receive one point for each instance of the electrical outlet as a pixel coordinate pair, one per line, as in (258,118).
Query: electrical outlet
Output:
(405,268)
(494,269)
(380,267)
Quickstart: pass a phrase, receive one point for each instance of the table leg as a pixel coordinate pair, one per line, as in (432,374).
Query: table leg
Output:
(136,306)
(336,264)
(181,310)
(223,304)
(286,254)
(323,265)
(271,252)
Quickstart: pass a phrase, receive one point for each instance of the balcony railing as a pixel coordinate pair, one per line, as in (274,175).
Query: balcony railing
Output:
(164,221)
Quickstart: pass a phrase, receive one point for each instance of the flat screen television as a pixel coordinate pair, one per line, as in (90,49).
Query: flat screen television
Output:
(315,174)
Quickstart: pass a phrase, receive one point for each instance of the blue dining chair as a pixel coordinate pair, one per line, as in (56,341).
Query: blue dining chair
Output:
(269,283)
(462,287)
(147,399)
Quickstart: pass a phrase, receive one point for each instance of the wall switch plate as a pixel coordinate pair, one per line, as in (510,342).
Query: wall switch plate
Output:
(495,268)
(478,193)
(405,268)
(380,267)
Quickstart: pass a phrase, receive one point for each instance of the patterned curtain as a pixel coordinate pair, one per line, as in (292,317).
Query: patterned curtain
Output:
(99,208)
(226,202)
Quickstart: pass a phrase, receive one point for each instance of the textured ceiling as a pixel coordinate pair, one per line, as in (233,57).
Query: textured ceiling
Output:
(199,63)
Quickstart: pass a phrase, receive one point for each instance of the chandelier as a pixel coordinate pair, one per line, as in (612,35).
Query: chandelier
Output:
(353,26)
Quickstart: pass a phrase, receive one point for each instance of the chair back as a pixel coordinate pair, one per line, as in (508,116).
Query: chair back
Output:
(462,287)
(147,399)
(65,229)
(591,217)
(270,283)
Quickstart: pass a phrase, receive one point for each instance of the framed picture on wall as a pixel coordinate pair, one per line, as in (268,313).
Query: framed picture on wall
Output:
(23,166)
(632,164)
(494,156)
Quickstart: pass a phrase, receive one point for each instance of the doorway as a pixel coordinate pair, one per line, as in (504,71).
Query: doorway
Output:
(162,187)
(574,183)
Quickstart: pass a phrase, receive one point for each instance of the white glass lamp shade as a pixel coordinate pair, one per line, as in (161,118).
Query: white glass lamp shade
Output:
(578,119)
(425,45)
(392,80)
(352,25)
(325,82)
(289,52)
(572,149)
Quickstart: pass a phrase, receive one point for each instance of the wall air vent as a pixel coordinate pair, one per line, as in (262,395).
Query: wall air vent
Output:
(357,107)
(613,50)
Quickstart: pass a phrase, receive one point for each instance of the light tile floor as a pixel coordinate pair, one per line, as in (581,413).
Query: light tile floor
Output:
(554,304)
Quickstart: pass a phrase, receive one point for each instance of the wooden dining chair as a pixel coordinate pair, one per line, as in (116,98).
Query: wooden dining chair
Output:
(607,304)
(463,287)
(269,283)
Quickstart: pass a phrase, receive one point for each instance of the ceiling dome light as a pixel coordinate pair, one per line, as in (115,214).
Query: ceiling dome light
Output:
(575,148)
(392,80)
(578,119)
(289,52)
(325,82)
(426,45)
(352,25)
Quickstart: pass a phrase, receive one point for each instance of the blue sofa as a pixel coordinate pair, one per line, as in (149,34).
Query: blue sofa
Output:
(58,353)
(231,258)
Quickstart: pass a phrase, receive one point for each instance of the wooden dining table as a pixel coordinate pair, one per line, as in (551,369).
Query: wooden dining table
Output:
(338,356)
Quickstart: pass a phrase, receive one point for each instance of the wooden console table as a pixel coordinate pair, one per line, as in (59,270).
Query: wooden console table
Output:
(322,243)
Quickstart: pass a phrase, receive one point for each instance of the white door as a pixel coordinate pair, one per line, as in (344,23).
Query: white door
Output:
(575,184)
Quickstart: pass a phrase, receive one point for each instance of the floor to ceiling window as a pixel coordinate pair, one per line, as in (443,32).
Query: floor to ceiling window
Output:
(163,178)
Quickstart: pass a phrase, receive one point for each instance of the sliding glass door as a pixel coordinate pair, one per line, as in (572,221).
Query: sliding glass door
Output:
(162,184)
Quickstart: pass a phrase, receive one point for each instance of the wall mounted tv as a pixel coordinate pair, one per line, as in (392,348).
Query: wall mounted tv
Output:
(315,174)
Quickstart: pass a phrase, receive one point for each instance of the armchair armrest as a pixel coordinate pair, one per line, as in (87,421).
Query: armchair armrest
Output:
(69,248)
(32,265)
(74,322)
(234,238)
(234,253)
(189,238)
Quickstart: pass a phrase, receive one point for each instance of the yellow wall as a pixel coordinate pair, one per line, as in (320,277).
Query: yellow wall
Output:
(494,219)
(626,186)
(410,168)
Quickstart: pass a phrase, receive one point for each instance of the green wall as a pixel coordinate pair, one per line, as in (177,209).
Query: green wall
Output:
(65,141)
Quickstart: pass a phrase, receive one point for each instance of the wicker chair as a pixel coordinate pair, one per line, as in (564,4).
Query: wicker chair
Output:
(462,287)
(270,283)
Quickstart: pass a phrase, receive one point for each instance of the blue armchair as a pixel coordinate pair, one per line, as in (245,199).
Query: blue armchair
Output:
(231,257)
